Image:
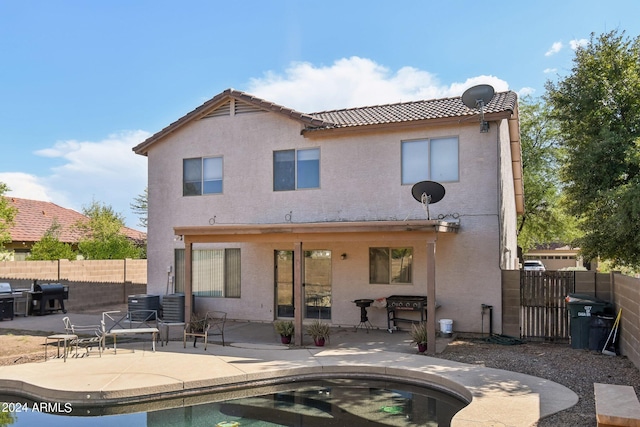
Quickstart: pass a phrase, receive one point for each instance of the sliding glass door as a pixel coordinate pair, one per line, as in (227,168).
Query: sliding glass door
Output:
(316,284)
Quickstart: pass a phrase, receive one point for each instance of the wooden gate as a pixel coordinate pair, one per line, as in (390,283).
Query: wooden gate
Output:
(543,309)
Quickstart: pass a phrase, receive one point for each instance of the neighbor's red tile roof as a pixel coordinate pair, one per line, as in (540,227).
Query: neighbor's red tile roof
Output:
(35,217)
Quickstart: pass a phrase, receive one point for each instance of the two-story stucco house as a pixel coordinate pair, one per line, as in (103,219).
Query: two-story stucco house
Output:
(265,212)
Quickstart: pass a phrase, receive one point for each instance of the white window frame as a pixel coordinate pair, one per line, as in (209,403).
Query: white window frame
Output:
(421,160)
(297,154)
(218,176)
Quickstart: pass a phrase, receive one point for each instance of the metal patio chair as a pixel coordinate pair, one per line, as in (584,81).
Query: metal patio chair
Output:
(88,335)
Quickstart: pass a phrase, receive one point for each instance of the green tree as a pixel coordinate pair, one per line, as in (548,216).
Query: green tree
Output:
(103,238)
(598,109)
(545,220)
(140,207)
(7,216)
(50,247)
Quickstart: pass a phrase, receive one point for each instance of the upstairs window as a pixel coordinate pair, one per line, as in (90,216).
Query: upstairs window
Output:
(296,169)
(430,159)
(202,175)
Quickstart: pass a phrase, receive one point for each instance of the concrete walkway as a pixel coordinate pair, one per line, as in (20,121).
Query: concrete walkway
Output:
(253,355)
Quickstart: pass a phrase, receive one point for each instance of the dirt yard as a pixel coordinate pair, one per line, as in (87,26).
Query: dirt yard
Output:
(16,348)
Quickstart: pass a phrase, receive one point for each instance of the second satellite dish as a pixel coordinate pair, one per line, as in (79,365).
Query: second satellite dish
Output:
(477,97)
(434,191)
(427,193)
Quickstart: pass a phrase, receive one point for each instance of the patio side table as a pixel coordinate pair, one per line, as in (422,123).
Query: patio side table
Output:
(66,339)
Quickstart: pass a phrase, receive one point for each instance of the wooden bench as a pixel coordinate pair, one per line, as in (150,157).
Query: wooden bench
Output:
(616,405)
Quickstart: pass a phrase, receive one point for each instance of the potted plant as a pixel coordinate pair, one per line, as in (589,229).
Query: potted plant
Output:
(285,328)
(319,332)
(419,335)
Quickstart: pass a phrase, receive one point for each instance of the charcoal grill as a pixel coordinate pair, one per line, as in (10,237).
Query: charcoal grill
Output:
(6,301)
(45,296)
(364,318)
(404,303)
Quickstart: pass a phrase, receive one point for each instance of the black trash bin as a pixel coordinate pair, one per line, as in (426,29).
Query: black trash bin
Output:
(599,328)
(581,308)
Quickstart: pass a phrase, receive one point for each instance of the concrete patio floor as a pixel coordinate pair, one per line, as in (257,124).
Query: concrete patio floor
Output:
(252,355)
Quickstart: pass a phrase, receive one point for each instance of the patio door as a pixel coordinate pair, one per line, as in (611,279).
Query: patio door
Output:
(316,284)
(283,263)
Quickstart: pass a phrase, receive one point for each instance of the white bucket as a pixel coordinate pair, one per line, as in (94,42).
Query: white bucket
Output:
(446,327)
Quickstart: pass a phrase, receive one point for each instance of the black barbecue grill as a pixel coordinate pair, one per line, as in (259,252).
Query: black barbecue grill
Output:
(45,296)
(6,301)
(404,303)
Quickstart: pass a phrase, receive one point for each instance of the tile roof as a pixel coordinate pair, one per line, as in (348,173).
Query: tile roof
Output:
(503,102)
(34,218)
(503,105)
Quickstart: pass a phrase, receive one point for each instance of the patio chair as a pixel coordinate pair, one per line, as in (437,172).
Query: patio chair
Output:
(212,323)
(88,335)
(216,320)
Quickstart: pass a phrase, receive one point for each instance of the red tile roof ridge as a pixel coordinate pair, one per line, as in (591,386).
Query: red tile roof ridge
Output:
(35,217)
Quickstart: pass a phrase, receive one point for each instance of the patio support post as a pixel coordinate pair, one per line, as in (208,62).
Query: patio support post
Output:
(431,296)
(188,286)
(298,297)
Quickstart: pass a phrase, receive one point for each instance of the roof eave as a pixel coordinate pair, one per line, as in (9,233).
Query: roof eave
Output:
(214,103)
(430,122)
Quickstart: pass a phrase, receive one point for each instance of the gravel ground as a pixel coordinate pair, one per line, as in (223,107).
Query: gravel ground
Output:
(573,368)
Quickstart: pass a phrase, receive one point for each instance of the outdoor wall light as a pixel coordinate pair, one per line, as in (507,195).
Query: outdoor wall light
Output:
(343,256)
(177,239)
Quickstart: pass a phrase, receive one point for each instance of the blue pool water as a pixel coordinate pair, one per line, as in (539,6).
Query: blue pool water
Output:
(325,403)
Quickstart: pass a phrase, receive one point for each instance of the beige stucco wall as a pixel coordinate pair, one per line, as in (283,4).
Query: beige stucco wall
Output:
(360,180)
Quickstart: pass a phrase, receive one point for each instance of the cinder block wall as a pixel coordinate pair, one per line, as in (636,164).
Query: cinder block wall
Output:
(511,302)
(626,291)
(596,284)
(83,295)
(103,271)
(623,291)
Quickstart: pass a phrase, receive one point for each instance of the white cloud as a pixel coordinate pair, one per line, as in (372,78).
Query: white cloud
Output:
(526,91)
(555,48)
(550,70)
(26,186)
(356,82)
(106,171)
(576,43)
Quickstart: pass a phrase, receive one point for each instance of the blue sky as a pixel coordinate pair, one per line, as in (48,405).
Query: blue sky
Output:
(82,82)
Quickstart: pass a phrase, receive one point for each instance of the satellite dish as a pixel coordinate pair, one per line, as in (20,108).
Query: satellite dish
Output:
(477,97)
(433,190)
(427,192)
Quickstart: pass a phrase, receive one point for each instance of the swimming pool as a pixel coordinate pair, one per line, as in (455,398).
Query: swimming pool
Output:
(327,402)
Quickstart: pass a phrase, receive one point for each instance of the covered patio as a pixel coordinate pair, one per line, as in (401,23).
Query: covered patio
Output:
(299,234)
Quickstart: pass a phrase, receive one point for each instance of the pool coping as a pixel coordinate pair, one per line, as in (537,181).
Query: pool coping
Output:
(140,375)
